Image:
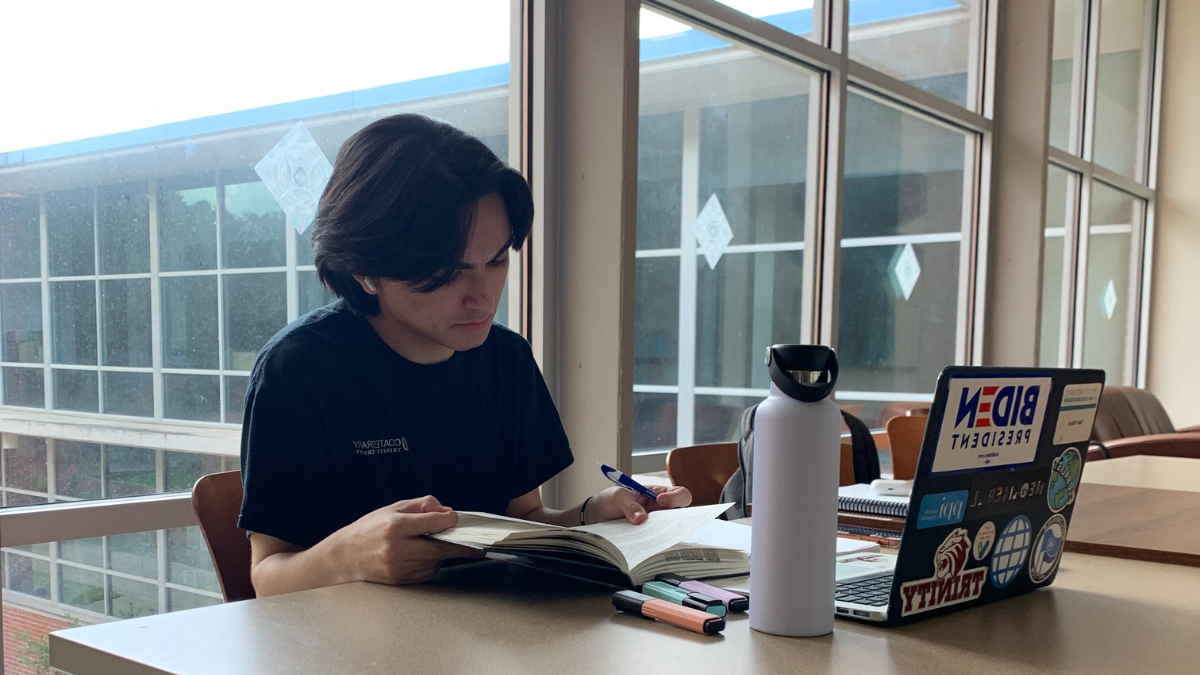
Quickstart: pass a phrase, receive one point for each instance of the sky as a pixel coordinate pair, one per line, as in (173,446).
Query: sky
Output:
(94,68)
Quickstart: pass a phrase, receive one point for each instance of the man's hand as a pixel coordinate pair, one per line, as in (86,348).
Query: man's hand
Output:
(617,502)
(385,546)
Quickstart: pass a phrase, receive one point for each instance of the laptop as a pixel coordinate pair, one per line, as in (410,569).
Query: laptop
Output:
(992,498)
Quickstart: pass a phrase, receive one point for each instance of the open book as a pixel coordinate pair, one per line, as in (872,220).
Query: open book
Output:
(637,552)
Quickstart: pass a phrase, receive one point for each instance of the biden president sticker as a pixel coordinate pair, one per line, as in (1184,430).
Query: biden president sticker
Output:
(991,422)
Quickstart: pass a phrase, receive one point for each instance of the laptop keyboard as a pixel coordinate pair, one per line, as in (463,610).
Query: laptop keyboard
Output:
(872,592)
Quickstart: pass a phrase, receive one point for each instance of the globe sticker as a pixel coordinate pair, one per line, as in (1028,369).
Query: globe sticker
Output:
(1047,549)
(983,540)
(1012,547)
(1064,479)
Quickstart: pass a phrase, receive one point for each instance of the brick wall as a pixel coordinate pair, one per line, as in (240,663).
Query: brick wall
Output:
(36,624)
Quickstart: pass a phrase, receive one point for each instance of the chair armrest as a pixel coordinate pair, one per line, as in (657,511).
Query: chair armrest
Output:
(1179,444)
(1189,430)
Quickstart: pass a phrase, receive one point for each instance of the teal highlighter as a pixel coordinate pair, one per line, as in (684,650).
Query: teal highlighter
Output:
(700,601)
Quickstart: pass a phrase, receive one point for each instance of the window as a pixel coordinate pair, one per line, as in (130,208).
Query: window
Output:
(723,158)
(114,576)
(1098,189)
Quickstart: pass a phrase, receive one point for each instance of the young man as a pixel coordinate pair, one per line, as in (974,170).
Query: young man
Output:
(368,420)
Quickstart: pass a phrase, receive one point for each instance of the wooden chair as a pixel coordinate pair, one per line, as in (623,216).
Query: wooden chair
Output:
(905,434)
(217,499)
(703,470)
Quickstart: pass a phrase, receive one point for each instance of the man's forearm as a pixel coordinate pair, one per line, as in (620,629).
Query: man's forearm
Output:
(561,517)
(291,571)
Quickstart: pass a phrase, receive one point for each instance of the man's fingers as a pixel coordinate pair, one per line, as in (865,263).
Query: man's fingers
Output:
(674,498)
(633,509)
(413,524)
(425,504)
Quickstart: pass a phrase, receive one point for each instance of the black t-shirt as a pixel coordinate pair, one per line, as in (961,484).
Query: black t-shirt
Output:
(337,424)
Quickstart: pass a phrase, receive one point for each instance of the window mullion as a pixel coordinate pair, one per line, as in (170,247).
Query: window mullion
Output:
(689,203)
(47,343)
(156,358)
(826,251)
(1081,266)
(1091,40)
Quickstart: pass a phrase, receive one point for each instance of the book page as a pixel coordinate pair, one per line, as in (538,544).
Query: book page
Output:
(660,531)
(479,529)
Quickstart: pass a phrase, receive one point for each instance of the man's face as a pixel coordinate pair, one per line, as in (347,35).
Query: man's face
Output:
(430,327)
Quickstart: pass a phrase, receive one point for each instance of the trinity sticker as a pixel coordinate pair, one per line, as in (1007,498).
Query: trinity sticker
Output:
(1048,548)
(991,422)
(1077,412)
(1011,550)
(1064,479)
(983,540)
(950,584)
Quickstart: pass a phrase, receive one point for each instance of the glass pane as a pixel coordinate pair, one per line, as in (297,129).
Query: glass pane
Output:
(21,319)
(304,249)
(898,309)
(252,224)
(125,322)
(135,553)
(255,309)
(132,599)
(1121,86)
(189,322)
(28,575)
(719,418)
(188,561)
(932,45)
(748,303)
(20,237)
(77,390)
(1060,218)
(753,161)
(182,469)
(128,393)
(654,421)
(187,223)
(73,322)
(25,464)
(81,588)
(656,321)
(178,600)
(1064,79)
(660,180)
(70,216)
(128,471)
(24,387)
(793,16)
(192,397)
(124,228)
(77,469)
(1116,216)
(314,295)
(235,398)
(85,551)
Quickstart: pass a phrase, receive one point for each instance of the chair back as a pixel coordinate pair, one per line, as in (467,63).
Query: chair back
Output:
(1125,412)
(217,500)
(703,469)
(905,435)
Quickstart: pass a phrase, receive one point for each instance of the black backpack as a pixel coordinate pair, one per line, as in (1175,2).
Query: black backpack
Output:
(738,487)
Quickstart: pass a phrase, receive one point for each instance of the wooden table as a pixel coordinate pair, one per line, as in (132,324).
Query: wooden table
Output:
(1145,471)
(1136,523)
(1103,615)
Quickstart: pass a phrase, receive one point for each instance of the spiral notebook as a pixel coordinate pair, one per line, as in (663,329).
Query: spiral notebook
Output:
(858,498)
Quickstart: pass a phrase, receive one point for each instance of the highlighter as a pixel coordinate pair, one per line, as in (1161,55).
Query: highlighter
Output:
(700,601)
(687,618)
(733,601)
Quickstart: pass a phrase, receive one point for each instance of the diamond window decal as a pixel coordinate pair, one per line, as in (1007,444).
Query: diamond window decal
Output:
(1109,299)
(295,172)
(712,230)
(907,270)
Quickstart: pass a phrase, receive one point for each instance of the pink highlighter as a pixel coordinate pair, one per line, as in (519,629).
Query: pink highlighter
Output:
(733,602)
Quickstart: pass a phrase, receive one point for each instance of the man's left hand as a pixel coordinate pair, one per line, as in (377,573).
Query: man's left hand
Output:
(617,502)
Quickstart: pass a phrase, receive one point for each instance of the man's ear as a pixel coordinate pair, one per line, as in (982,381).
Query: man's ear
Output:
(367,284)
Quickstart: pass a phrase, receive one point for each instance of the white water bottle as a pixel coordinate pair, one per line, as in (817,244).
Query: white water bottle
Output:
(797,439)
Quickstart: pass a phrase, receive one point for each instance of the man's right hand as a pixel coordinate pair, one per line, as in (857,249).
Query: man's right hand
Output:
(386,546)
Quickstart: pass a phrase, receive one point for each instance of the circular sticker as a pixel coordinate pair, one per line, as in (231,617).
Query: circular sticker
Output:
(1012,547)
(1047,549)
(1064,479)
(983,540)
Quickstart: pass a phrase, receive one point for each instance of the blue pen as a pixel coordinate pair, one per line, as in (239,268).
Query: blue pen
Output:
(627,482)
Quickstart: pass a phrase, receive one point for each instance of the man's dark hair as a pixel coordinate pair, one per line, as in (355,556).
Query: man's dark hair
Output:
(401,202)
